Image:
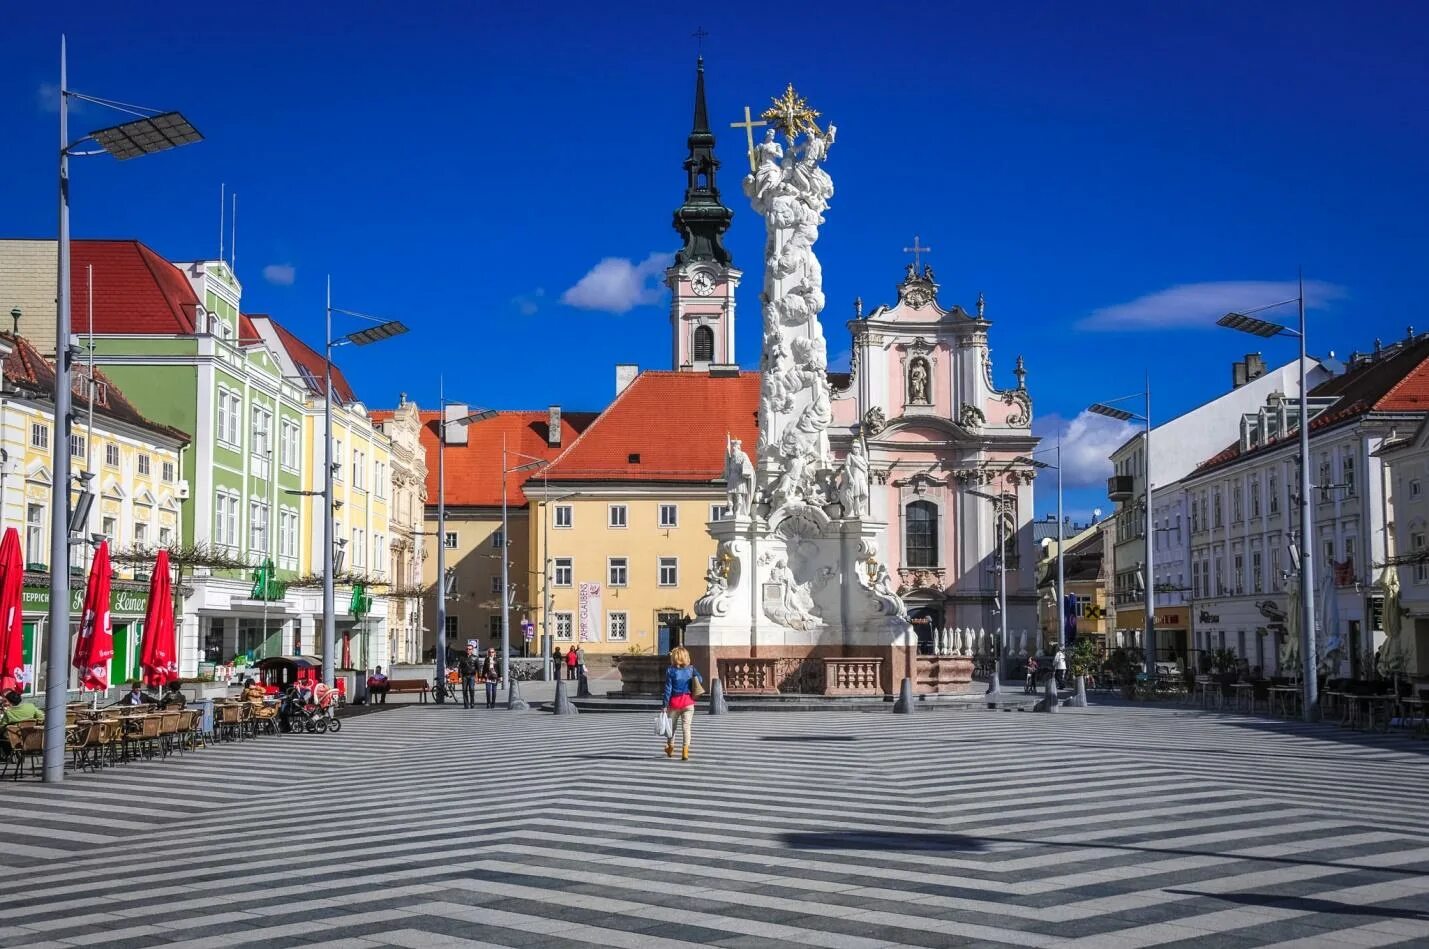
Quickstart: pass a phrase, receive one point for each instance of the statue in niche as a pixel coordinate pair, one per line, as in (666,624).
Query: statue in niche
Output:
(853,481)
(918,382)
(739,479)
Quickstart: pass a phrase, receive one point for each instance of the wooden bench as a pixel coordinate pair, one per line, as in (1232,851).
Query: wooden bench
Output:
(421,686)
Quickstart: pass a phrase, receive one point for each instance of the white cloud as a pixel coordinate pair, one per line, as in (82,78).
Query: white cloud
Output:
(527,304)
(281,275)
(617,284)
(1191,305)
(47,97)
(1087,443)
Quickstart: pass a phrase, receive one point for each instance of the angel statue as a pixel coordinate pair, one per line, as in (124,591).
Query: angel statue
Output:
(739,479)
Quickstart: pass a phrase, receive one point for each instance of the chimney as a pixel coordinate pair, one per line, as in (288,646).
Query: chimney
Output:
(553,426)
(1237,375)
(625,374)
(1254,366)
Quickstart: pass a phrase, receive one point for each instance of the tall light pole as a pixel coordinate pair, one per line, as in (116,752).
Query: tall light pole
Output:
(380,330)
(439,653)
(151,132)
(1061,576)
(1148,534)
(1265,329)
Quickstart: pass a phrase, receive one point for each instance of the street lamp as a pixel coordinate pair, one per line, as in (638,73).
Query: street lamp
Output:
(440,647)
(1001,561)
(382,329)
(1109,410)
(1061,577)
(1265,329)
(149,133)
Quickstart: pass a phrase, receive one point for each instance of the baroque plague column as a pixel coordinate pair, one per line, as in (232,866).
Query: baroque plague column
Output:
(798,598)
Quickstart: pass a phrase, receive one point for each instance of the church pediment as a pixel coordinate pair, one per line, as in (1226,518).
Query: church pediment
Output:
(922,428)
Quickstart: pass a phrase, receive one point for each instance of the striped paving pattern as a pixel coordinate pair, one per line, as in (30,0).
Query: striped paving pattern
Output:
(431,826)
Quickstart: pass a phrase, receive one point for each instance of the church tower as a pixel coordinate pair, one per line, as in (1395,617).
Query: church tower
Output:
(702,280)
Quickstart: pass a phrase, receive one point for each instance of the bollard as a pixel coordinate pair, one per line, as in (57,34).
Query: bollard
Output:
(1080,699)
(563,704)
(904,705)
(1050,702)
(994,687)
(718,706)
(513,698)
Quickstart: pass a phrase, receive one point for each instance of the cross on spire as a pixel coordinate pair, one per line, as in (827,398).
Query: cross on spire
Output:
(917,253)
(699,34)
(748,125)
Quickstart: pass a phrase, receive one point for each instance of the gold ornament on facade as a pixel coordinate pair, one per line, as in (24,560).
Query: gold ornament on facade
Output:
(790,113)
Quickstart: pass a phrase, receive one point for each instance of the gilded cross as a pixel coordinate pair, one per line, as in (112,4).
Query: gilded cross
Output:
(748,125)
(916,251)
(791,114)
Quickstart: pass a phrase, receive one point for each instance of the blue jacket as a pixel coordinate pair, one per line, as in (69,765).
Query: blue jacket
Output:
(677,681)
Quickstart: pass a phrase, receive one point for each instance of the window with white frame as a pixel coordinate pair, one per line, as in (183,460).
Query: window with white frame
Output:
(1415,488)
(498,539)
(669,515)
(449,540)
(1418,542)
(166,536)
(719,512)
(258,526)
(617,627)
(452,628)
(288,534)
(563,572)
(225,519)
(1254,497)
(379,553)
(35,537)
(359,547)
(289,444)
(1350,551)
(1236,507)
(1347,474)
(260,423)
(141,534)
(111,455)
(337,457)
(1238,565)
(379,479)
(1257,578)
(144,464)
(359,469)
(1275,580)
(617,571)
(77,446)
(1272,502)
(168,470)
(39,435)
(564,625)
(617,515)
(563,516)
(229,407)
(669,571)
(496,585)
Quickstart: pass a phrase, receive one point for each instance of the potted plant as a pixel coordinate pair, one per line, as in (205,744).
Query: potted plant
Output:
(1225,663)
(1122,667)
(1082,661)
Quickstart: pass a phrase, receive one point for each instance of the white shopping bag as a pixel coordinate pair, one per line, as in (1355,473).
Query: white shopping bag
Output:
(663,726)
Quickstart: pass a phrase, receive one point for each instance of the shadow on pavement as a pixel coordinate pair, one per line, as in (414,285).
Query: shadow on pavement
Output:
(1309,904)
(883,840)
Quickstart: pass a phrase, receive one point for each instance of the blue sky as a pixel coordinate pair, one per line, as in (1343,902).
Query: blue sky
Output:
(1112,176)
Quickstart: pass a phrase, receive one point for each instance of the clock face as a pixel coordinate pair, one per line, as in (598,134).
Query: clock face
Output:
(702,283)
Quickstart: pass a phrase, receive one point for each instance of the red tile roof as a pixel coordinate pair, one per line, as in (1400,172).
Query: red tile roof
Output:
(135,290)
(1395,381)
(26,370)
(673,423)
(309,361)
(473,475)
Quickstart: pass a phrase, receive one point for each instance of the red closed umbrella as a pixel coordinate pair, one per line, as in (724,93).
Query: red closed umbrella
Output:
(12,625)
(95,645)
(159,656)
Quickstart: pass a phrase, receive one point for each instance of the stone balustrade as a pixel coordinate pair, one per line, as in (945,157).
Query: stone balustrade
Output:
(749,676)
(854,676)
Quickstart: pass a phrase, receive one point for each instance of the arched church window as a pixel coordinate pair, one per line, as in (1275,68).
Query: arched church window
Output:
(920,534)
(920,382)
(703,349)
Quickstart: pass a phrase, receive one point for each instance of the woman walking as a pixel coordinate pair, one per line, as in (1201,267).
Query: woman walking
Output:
(682,686)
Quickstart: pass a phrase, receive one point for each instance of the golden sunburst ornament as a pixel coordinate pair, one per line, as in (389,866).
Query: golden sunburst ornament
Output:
(791,114)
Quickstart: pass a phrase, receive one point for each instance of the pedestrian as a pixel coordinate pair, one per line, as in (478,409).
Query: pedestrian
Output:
(1031,684)
(1059,666)
(682,686)
(466,668)
(377,687)
(490,673)
(19,709)
(558,659)
(572,657)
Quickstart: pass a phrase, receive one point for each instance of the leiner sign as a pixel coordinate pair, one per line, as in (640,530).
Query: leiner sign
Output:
(121,602)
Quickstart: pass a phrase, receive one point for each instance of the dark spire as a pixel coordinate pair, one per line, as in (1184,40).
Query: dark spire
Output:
(702,218)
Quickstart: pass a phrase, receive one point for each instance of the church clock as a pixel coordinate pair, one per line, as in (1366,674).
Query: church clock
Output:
(702,283)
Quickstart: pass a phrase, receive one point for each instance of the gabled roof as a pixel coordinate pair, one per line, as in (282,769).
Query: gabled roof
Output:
(29,372)
(473,470)
(307,361)
(666,426)
(1396,380)
(135,290)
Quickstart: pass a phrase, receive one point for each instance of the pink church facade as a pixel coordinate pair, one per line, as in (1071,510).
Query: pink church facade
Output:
(947,452)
